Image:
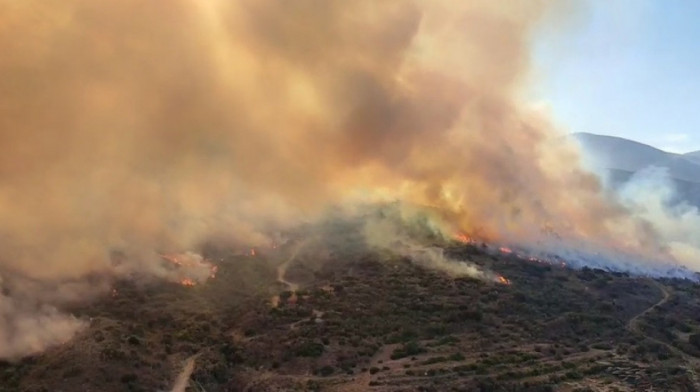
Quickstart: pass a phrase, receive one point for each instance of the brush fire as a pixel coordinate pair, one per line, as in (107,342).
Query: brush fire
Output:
(189,268)
(265,116)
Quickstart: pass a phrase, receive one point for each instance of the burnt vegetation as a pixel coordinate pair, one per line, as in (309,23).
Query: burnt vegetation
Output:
(381,323)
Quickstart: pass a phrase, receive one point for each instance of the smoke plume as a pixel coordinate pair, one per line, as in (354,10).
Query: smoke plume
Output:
(145,127)
(652,195)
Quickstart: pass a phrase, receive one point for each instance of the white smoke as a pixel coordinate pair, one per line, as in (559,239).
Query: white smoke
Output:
(651,194)
(29,325)
(389,234)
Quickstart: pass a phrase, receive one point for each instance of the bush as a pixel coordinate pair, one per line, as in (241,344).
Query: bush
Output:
(694,339)
(433,360)
(309,349)
(457,357)
(573,375)
(326,371)
(285,295)
(602,346)
(408,349)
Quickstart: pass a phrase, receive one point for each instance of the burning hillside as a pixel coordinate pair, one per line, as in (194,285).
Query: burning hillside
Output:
(375,321)
(190,268)
(135,127)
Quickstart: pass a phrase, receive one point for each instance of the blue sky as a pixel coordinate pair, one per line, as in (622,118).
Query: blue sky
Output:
(629,68)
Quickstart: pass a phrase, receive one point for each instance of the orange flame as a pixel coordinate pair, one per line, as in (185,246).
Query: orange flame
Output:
(505,250)
(502,280)
(183,262)
(171,258)
(463,238)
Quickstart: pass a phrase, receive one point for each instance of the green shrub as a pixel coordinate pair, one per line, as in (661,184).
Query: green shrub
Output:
(309,349)
(326,371)
(457,357)
(694,339)
(408,349)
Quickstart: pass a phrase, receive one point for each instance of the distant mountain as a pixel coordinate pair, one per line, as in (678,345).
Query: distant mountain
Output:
(622,158)
(693,156)
(616,153)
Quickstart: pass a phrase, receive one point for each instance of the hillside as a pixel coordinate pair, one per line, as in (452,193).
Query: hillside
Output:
(693,156)
(547,328)
(622,158)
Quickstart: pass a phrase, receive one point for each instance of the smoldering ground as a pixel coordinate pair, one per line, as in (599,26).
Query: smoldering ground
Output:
(144,128)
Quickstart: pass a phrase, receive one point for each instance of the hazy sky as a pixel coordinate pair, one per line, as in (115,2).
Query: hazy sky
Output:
(629,68)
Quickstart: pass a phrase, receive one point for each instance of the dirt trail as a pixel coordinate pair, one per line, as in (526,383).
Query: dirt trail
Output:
(282,273)
(281,277)
(183,379)
(282,269)
(633,323)
(692,363)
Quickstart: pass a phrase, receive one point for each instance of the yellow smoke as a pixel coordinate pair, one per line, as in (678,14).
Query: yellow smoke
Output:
(152,126)
(146,126)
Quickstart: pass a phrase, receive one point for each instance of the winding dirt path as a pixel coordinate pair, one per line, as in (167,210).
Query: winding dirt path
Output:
(692,363)
(633,323)
(282,268)
(282,273)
